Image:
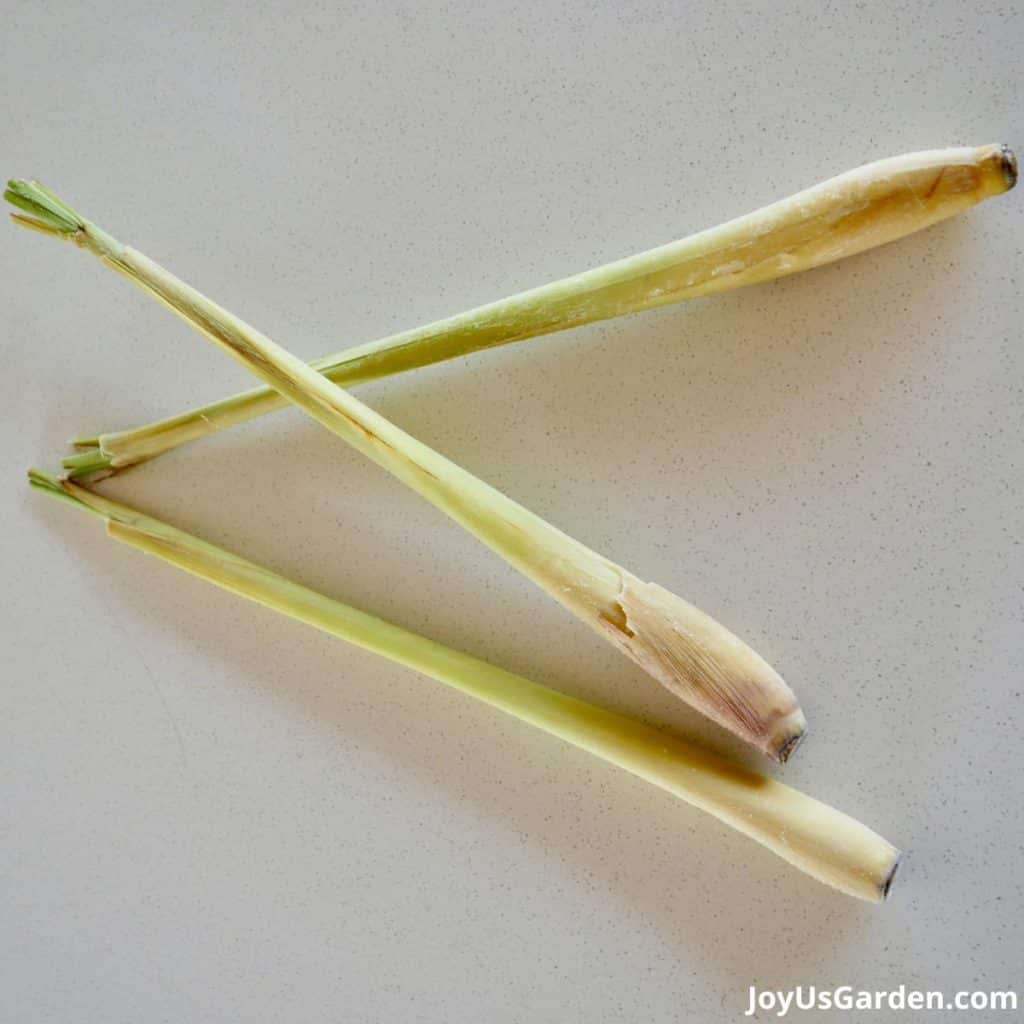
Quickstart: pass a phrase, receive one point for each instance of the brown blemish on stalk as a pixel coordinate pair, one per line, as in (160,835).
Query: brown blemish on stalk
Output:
(270,370)
(935,184)
(953,179)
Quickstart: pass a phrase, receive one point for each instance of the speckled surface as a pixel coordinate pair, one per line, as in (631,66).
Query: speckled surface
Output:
(212,814)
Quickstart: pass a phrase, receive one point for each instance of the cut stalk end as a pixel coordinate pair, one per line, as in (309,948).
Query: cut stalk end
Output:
(86,463)
(791,739)
(1009,165)
(888,880)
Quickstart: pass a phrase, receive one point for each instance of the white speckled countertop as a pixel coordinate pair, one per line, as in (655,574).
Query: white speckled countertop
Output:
(212,814)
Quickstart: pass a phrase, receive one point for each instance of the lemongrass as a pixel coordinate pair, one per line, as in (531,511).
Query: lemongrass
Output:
(819,840)
(863,208)
(686,650)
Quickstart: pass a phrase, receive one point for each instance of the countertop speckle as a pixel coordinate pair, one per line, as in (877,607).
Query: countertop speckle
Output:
(214,814)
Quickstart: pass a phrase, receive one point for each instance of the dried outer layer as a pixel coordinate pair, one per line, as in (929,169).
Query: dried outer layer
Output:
(680,642)
(819,840)
(858,210)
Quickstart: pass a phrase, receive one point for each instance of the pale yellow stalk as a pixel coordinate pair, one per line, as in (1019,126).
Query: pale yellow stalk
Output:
(863,208)
(689,652)
(816,838)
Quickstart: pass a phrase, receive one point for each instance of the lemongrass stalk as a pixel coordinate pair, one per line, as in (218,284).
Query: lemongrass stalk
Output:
(689,652)
(863,208)
(816,838)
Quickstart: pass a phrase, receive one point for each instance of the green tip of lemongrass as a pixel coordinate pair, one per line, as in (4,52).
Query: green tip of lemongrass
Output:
(49,212)
(86,463)
(46,482)
(80,497)
(54,486)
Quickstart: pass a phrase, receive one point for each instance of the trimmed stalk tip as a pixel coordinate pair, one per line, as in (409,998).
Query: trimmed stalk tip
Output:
(87,463)
(1009,164)
(889,878)
(786,750)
